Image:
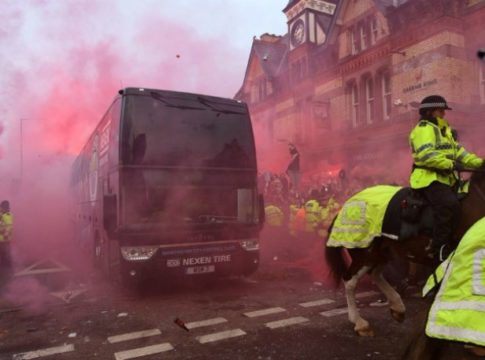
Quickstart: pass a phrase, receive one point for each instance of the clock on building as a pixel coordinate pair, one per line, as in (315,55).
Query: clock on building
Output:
(297,32)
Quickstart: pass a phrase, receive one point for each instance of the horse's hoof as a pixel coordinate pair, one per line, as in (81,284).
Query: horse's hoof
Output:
(365,331)
(398,316)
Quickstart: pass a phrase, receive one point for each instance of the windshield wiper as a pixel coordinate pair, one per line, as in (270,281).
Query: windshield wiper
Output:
(160,98)
(215,218)
(215,108)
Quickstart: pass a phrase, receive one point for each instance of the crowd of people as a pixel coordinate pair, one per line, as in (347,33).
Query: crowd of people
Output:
(307,208)
(302,206)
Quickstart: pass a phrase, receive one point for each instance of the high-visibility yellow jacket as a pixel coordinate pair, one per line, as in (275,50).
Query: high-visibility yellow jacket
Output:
(435,152)
(6,224)
(274,215)
(313,212)
(325,214)
(458,310)
(333,204)
(329,211)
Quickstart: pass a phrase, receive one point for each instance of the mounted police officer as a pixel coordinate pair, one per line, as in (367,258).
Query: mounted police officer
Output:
(437,156)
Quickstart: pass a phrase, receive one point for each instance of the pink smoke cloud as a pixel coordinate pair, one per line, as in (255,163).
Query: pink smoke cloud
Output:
(61,67)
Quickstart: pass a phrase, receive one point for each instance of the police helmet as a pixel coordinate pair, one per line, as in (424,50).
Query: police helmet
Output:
(434,102)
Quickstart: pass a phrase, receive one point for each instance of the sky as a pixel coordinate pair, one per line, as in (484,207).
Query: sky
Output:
(63,61)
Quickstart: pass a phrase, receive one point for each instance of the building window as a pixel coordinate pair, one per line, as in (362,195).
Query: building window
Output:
(303,68)
(386,95)
(262,89)
(354,102)
(374,30)
(369,99)
(482,84)
(354,38)
(299,70)
(364,38)
(254,93)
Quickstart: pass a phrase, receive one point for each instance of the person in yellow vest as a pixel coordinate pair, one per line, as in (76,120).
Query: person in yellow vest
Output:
(458,309)
(312,213)
(329,205)
(6,223)
(333,205)
(274,216)
(437,156)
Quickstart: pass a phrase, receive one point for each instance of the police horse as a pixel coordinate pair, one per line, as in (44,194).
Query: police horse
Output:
(456,315)
(400,238)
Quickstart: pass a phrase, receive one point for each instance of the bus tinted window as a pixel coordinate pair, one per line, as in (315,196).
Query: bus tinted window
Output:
(186,133)
(115,113)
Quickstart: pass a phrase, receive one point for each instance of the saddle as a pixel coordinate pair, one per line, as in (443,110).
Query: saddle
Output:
(408,214)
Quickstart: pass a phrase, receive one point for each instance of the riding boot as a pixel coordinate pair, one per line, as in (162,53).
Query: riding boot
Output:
(446,209)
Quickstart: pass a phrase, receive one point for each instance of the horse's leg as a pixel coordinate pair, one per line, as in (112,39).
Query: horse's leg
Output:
(362,326)
(396,305)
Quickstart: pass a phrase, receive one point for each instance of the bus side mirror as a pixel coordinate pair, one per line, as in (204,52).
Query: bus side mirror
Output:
(262,215)
(110,219)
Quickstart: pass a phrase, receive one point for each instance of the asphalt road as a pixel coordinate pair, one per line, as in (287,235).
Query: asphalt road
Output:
(281,312)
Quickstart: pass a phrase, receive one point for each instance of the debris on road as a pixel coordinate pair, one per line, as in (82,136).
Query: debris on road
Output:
(181,324)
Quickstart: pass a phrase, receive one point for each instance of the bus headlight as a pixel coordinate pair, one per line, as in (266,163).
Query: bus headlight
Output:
(138,253)
(250,244)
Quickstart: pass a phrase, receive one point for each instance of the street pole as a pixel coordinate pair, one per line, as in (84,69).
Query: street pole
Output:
(21,149)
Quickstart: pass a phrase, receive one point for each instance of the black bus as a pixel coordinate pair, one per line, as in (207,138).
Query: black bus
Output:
(167,184)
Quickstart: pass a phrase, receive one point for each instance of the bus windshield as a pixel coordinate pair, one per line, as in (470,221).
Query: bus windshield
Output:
(186,132)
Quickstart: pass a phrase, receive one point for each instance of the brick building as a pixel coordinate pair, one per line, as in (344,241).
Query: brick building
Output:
(344,82)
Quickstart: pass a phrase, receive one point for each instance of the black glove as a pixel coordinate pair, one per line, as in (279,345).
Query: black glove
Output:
(458,167)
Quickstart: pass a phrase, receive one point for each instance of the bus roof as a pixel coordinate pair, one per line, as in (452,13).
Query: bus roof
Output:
(177,95)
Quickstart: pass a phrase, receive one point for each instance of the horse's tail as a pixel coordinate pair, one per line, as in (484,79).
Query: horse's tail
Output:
(335,259)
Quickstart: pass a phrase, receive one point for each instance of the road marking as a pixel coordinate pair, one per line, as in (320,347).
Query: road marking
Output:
(208,322)
(286,322)
(366,294)
(220,336)
(144,351)
(334,312)
(44,352)
(317,303)
(263,312)
(133,335)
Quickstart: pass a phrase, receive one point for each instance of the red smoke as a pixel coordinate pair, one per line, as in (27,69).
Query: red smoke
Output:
(61,67)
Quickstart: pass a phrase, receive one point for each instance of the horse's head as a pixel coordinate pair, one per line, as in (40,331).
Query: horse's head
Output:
(473,206)
(478,177)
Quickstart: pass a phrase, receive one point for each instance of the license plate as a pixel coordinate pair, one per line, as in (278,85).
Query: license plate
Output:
(200,269)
